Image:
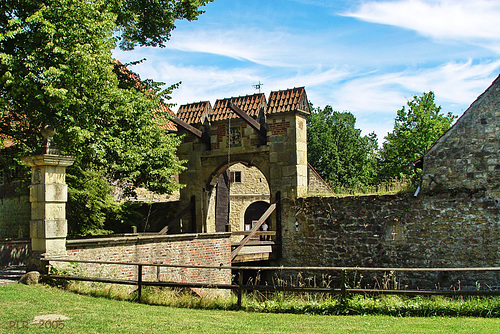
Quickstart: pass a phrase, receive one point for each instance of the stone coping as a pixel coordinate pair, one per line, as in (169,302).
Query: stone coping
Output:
(48,160)
(141,238)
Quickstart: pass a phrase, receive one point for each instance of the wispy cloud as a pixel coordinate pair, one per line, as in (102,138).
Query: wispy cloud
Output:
(475,21)
(259,46)
(457,83)
(375,98)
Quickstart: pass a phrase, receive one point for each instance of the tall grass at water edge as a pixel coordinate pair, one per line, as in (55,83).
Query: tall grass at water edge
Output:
(305,303)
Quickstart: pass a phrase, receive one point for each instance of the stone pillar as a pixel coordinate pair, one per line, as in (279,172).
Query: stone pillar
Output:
(48,197)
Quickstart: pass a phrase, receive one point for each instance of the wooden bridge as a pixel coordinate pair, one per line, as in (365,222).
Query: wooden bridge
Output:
(258,245)
(255,249)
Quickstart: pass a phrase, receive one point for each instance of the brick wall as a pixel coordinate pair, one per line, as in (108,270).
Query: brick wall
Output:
(185,249)
(278,127)
(446,230)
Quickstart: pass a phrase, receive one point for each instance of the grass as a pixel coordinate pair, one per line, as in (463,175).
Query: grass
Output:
(392,187)
(102,315)
(305,303)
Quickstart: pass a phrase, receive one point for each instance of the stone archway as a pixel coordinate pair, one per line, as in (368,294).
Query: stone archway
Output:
(236,188)
(253,212)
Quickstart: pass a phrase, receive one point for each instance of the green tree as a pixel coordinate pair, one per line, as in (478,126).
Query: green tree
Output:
(338,151)
(56,68)
(416,128)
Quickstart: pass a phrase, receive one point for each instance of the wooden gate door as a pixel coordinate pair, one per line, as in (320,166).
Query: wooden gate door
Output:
(222,203)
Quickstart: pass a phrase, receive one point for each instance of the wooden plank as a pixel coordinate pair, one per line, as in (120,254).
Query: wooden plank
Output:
(188,127)
(255,249)
(253,123)
(222,202)
(278,238)
(258,233)
(254,230)
(478,269)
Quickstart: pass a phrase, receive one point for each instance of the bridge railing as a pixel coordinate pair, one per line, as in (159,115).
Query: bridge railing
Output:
(239,287)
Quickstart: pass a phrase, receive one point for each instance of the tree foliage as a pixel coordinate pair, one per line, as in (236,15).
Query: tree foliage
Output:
(338,151)
(416,127)
(149,23)
(56,68)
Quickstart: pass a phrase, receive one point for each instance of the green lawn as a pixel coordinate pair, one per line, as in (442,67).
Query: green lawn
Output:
(20,303)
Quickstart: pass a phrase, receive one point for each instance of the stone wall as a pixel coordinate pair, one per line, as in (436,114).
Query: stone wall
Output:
(315,184)
(446,230)
(185,249)
(15,215)
(253,182)
(252,188)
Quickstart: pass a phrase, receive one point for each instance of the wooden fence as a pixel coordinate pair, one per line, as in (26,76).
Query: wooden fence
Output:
(239,286)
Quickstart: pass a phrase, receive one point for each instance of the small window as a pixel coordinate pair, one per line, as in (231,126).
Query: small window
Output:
(235,177)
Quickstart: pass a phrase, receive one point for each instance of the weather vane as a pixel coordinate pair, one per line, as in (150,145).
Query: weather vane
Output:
(258,86)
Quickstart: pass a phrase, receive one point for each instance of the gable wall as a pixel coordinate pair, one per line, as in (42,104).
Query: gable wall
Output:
(468,155)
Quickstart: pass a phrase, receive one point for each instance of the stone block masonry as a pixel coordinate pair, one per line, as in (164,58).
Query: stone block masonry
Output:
(467,156)
(445,230)
(183,249)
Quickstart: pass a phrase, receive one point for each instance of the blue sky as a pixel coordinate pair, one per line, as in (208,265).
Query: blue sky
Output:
(366,57)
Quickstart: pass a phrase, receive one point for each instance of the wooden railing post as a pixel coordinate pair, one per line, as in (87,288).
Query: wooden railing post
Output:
(343,282)
(279,237)
(139,282)
(240,287)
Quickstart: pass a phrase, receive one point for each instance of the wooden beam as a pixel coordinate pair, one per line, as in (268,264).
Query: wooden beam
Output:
(253,123)
(187,127)
(254,230)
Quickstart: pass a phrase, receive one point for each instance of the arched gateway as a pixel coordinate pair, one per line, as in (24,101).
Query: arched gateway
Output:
(270,135)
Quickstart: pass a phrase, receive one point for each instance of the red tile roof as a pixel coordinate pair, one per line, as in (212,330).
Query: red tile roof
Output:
(126,76)
(250,104)
(280,101)
(194,112)
(168,125)
(288,100)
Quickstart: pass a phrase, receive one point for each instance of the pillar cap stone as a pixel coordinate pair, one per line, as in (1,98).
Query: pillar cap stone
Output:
(48,160)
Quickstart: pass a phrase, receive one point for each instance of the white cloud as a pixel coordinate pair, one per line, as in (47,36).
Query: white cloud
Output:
(375,98)
(264,47)
(473,21)
(454,82)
